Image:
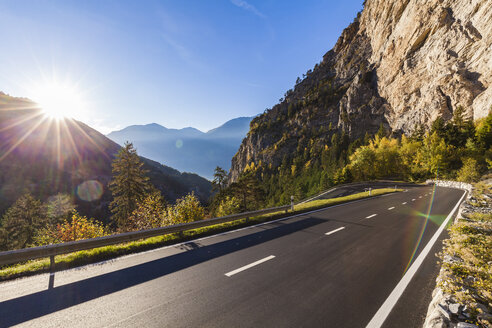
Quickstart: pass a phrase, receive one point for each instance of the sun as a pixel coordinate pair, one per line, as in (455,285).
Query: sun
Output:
(58,101)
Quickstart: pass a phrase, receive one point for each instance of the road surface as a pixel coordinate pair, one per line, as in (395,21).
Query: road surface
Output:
(329,268)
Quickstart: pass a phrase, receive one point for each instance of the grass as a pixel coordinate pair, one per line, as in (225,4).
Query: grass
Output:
(468,277)
(109,252)
(334,201)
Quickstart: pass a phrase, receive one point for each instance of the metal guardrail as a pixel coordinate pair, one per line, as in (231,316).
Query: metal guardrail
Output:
(348,185)
(20,255)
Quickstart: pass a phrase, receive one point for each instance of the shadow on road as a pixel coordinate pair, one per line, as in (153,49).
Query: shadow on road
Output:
(28,307)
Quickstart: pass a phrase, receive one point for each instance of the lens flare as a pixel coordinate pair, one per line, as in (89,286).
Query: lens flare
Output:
(90,190)
(427,217)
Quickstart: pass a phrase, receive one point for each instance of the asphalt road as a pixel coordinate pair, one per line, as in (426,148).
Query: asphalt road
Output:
(349,189)
(330,268)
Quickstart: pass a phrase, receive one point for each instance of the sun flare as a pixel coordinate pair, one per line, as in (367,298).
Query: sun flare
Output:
(59,101)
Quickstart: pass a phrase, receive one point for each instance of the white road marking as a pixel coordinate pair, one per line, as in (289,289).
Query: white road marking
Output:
(413,200)
(391,208)
(216,235)
(370,216)
(420,196)
(403,203)
(249,265)
(385,309)
(333,231)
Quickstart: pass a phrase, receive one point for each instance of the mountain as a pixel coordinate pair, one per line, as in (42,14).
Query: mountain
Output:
(46,156)
(399,66)
(187,149)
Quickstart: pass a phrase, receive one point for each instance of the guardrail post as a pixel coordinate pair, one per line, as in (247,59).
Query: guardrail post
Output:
(9,257)
(369,191)
(291,203)
(52,272)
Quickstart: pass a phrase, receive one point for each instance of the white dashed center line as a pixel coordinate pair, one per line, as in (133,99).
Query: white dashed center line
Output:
(371,216)
(249,265)
(413,200)
(333,231)
(391,208)
(403,203)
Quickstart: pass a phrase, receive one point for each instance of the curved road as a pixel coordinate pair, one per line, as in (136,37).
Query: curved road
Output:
(333,267)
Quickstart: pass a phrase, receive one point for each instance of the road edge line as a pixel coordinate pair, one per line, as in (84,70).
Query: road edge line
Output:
(385,309)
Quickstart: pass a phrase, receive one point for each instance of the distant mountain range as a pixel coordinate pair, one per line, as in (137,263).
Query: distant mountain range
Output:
(45,157)
(187,149)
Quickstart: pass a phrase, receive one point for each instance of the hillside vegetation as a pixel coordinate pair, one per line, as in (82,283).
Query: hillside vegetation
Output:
(45,157)
(458,150)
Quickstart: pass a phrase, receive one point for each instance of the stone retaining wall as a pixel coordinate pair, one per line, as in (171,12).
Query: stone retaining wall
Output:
(452,184)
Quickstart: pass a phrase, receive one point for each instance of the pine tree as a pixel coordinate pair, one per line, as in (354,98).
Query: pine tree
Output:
(382,131)
(59,207)
(129,185)
(220,179)
(21,221)
(248,191)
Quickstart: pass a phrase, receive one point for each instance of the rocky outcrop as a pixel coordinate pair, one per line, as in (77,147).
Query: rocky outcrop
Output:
(401,63)
(431,56)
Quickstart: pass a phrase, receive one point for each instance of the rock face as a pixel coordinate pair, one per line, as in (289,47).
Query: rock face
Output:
(401,63)
(430,57)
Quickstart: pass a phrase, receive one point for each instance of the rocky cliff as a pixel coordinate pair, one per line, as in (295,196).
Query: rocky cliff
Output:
(401,63)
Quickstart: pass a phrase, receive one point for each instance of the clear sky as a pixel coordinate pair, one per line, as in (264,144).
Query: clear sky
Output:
(177,63)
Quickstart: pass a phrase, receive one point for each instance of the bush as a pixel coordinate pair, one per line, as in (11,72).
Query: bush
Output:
(228,206)
(469,171)
(150,213)
(187,209)
(80,227)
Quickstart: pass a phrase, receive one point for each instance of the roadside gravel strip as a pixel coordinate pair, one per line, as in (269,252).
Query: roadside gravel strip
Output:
(452,303)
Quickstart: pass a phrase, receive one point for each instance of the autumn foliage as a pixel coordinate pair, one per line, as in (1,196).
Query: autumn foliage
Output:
(79,227)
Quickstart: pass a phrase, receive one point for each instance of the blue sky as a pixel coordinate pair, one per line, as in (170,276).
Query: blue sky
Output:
(177,63)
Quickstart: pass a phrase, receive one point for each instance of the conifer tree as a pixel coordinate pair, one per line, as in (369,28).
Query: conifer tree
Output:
(220,179)
(129,185)
(382,131)
(248,190)
(21,221)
